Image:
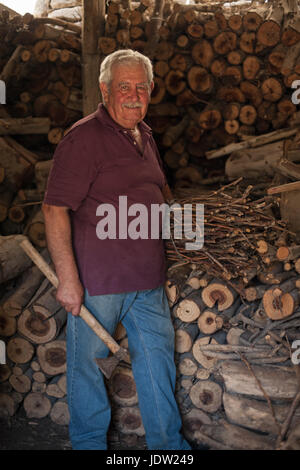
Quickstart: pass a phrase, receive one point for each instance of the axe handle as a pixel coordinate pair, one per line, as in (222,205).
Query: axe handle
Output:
(84,313)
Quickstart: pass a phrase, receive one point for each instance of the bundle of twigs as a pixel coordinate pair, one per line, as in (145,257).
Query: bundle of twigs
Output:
(235,223)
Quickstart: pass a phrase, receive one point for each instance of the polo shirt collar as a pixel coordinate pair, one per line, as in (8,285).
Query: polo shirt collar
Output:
(105,118)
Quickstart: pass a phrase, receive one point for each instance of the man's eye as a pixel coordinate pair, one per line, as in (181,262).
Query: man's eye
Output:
(124,87)
(142,88)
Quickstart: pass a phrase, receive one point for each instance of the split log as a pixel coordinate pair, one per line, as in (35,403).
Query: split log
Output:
(28,125)
(52,357)
(192,422)
(225,42)
(184,337)
(12,260)
(202,53)
(233,336)
(252,142)
(248,114)
(188,310)
(19,350)
(218,293)
(218,67)
(171,292)
(255,292)
(254,162)
(35,229)
(28,283)
(235,437)
(204,360)
(206,395)
(7,325)
(255,414)
(128,420)
(210,118)
(268,33)
(158,91)
(122,387)
(36,405)
(174,82)
(187,365)
(247,42)
(18,169)
(20,383)
(209,322)
(271,89)
(35,323)
(279,304)
(59,413)
(41,173)
(173,132)
(277,382)
(11,65)
(200,80)
(288,253)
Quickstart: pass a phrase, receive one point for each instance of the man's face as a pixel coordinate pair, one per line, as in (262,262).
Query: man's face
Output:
(128,96)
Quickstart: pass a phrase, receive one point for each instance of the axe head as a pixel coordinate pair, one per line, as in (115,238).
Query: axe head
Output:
(108,364)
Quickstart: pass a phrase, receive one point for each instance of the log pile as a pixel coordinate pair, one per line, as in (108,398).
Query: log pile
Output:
(235,324)
(41,67)
(221,74)
(222,87)
(40,63)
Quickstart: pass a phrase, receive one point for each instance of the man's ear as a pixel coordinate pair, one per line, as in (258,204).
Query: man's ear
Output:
(104,91)
(151,86)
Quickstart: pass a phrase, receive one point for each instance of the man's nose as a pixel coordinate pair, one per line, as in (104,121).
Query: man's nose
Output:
(134,94)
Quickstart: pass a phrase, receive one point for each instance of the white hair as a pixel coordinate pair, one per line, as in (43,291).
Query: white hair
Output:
(124,56)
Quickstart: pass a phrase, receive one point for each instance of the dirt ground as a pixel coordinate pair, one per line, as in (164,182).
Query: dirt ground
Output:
(21,433)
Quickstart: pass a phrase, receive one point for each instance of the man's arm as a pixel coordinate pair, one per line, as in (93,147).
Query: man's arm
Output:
(59,241)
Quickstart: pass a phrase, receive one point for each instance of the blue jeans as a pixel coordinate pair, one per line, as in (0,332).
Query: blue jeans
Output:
(146,318)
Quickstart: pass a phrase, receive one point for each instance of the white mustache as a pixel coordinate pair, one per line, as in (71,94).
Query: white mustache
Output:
(132,105)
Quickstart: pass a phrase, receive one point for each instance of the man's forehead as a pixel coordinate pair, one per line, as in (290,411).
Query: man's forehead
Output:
(127,72)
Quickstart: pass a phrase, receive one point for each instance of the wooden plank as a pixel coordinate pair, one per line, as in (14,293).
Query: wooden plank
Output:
(283,188)
(21,126)
(252,142)
(92,29)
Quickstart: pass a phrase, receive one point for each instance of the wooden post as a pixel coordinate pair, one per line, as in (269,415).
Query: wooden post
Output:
(92,29)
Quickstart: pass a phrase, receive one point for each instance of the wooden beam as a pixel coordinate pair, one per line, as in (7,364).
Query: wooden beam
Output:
(22,126)
(92,29)
(283,188)
(252,142)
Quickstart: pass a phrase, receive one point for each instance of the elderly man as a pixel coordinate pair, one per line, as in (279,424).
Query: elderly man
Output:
(108,154)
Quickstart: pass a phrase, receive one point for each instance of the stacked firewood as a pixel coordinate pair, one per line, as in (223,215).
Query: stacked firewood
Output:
(235,309)
(33,327)
(41,70)
(41,67)
(220,74)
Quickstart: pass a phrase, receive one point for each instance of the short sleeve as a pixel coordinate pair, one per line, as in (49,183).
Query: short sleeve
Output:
(72,172)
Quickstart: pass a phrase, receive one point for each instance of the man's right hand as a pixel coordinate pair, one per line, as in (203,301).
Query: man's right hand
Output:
(70,295)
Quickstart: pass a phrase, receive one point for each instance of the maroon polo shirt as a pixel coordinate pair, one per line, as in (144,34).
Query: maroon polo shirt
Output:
(94,164)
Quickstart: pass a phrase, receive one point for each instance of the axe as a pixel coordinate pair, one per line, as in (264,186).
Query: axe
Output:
(107,364)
